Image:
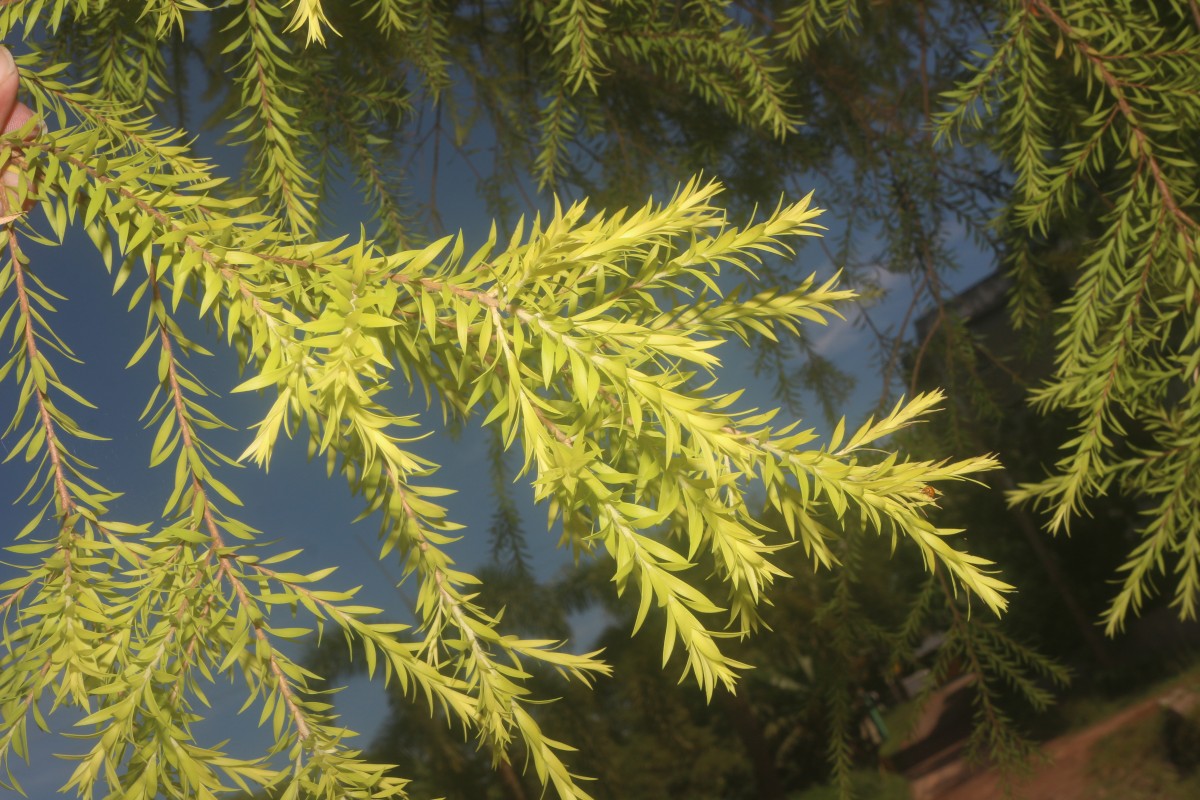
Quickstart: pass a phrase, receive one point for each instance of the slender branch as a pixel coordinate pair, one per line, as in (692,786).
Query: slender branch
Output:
(1117,89)
(65,501)
(183,420)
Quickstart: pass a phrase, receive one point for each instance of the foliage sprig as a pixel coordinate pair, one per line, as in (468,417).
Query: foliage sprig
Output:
(587,341)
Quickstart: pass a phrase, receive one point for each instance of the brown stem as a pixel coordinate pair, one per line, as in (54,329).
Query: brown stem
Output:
(511,781)
(66,503)
(291,197)
(931,280)
(1117,89)
(218,543)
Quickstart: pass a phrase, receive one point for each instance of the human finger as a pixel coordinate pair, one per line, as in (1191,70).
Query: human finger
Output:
(8,88)
(13,116)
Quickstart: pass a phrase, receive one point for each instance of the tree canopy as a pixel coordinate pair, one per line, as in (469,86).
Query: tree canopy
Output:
(588,340)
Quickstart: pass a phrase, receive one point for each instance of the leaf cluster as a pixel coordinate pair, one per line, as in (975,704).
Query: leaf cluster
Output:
(588,342)
(1094,106)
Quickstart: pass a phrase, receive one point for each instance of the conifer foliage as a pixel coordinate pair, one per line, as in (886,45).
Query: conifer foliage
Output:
(1101,116)
(588,340)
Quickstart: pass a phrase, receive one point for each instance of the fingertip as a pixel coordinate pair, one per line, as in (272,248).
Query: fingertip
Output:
(18,117)
(8,88)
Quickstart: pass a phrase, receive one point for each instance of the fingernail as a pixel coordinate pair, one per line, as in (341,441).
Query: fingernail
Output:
(7,65)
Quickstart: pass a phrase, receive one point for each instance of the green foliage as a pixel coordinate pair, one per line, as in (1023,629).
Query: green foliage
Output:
(586,342)
(1094,107)
(837,635)
(1060,136)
